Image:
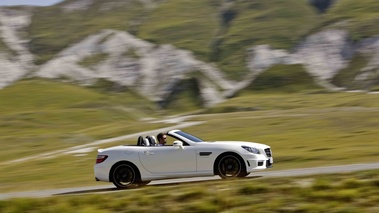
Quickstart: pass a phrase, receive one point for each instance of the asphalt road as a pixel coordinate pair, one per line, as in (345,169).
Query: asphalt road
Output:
(266,173)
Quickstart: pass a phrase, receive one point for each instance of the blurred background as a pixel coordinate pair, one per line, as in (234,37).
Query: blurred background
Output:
(299,75)
(28,2)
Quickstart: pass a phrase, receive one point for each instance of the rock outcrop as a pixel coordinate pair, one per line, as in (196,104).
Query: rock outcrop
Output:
(16,61)
(155,70)
(323,55)
(149,69)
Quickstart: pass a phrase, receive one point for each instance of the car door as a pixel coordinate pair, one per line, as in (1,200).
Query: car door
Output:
(168,159)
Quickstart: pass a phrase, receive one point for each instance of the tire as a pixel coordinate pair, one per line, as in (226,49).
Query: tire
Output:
(230,166)
(124,176)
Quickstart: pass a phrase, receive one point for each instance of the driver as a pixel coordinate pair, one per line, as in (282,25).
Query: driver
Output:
(162,139)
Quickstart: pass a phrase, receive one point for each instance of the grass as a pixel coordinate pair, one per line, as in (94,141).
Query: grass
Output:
(284,78)
(186,98)
(356,192)
(186,24)
(359,18)
(63,28)
(249,100)
(302,138)
(43,115)
(280,24)
(304,129)
(93,60)
(345,78)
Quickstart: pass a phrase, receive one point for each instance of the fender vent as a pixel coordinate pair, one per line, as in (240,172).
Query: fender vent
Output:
(205,153)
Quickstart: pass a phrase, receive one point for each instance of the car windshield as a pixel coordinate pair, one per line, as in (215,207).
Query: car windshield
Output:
(189,136)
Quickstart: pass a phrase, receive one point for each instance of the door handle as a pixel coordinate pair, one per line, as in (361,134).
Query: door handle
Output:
(148,153)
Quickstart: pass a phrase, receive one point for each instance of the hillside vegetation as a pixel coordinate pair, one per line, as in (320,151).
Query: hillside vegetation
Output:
(215,31)
(62,28)
(39,115)
(345,193)
(283,78)
(303,129)
(284,107)
(360,18)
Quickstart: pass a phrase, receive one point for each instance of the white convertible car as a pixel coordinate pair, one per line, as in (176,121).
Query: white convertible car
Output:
(188,156)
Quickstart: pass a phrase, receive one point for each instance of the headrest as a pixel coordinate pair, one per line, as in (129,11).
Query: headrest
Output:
(152,140)
(146,142)
(140,141)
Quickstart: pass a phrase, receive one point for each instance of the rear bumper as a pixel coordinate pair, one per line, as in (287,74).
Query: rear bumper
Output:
(101,173)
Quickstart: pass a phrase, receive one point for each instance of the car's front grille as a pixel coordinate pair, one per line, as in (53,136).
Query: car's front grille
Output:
(268,152)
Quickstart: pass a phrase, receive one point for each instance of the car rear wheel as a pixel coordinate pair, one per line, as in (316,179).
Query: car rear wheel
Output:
(230,166)
(124,176)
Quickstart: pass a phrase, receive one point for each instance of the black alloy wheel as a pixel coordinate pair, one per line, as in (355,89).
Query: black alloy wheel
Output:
(230,166)
(124,176)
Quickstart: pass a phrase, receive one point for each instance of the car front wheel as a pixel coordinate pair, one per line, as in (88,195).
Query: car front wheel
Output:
(229,166)
(124,176)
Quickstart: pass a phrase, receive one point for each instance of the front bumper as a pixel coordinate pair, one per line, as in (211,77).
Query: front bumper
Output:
(259,164)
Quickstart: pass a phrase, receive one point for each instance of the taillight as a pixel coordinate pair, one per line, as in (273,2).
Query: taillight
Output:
(101,158)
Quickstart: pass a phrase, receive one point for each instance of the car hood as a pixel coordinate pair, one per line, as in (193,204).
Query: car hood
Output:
(242,143)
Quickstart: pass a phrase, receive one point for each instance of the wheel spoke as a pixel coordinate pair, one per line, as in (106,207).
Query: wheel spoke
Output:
(123,176)
(229,167)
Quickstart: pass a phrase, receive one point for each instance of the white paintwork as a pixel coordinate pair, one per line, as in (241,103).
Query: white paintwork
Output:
(183,159)
(168,159)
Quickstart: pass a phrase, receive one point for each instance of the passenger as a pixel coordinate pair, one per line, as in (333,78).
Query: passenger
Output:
(162,139)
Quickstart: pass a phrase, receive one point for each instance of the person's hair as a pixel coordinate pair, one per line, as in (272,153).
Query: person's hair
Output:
(160,136)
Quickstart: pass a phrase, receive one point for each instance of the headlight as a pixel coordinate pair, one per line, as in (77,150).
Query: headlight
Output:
(251,149)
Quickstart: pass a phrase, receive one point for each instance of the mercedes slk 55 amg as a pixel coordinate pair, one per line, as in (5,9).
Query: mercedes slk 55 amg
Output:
(188,156)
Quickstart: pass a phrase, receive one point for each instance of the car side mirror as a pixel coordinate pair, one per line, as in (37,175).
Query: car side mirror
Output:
(178,144)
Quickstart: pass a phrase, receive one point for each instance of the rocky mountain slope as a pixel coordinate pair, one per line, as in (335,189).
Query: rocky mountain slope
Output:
(140,58)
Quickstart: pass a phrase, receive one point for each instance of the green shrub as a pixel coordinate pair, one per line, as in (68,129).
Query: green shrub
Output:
(359,18)
(192,194)
(351,184)
(346,195)
(322,184)
(345,77)
(283,78)
(252,189)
